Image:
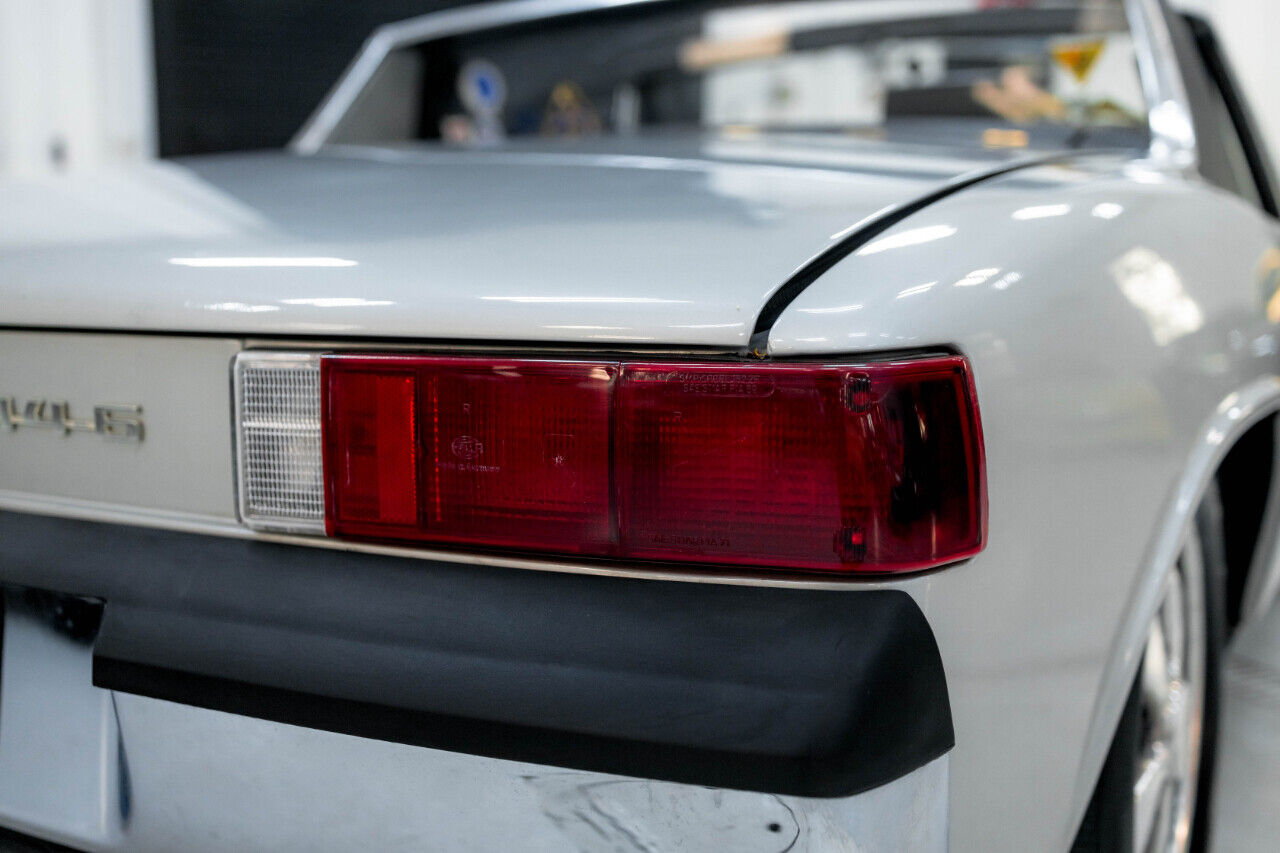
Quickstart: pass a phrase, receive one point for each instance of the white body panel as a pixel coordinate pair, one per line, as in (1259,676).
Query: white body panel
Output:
(182,469)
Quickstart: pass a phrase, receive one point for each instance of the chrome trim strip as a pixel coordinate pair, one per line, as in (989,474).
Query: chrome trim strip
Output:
(88,510)
(214,526)
(528,349)
(1173,135)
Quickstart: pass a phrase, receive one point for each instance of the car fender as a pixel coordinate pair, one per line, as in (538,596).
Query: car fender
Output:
(1117,318)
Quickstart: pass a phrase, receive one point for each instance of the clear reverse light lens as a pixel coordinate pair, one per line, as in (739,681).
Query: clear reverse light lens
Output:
(279,463)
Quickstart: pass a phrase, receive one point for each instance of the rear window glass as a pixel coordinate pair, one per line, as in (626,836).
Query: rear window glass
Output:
(1060,67)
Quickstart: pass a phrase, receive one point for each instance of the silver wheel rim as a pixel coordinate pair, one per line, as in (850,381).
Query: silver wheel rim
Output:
(1164,791)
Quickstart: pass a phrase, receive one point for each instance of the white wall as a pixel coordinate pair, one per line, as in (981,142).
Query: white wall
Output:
(76,84)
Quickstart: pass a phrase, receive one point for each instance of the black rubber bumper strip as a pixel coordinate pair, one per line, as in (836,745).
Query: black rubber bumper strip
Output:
(790,691)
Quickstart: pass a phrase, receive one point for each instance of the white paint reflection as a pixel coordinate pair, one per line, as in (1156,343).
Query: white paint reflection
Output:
(835,309)
(262,262)
(1144,174)
(576,328)
(586,300)
(917,290)
(914,237)
(1006,281)
(978,277)
(1108,210)
(1043,211)
(1154,287)
(336,301)
(237,307)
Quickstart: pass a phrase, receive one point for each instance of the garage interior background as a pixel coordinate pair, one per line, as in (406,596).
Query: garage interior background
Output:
(85,83)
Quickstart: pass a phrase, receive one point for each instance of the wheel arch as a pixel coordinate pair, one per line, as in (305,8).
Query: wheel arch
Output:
(1250,492)
(1230,436)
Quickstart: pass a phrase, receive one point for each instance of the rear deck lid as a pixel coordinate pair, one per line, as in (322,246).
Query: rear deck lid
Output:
(668,241)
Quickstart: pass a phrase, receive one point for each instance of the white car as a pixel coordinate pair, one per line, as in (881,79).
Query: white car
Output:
(624,425)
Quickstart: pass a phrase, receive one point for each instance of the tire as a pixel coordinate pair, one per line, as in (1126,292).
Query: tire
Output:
(1111,821)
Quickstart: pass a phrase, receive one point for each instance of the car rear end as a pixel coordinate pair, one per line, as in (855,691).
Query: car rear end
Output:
(589,663)
(447,495)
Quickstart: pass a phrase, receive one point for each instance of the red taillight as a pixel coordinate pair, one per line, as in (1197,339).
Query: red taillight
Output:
(514,454)
(835,468)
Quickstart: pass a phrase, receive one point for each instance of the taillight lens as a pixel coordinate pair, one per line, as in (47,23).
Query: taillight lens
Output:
(808,467)
(499,454)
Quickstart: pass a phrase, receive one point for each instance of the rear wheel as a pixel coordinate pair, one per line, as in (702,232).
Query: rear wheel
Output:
(1153,793)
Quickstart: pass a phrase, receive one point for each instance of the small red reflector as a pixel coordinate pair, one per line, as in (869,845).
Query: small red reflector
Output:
(835,468)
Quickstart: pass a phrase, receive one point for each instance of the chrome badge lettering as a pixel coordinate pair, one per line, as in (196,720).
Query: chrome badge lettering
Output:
(121,422)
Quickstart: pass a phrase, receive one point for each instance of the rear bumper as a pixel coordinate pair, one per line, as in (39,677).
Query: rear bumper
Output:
(535,695)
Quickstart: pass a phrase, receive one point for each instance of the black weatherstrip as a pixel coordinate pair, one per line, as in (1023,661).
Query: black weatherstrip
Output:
(866,231)
(791,691)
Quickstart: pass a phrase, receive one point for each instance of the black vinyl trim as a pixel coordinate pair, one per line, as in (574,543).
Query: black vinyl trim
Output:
(790,691)
(12,841)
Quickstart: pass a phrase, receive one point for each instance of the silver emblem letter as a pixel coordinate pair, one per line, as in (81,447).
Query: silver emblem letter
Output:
(123,422)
